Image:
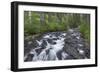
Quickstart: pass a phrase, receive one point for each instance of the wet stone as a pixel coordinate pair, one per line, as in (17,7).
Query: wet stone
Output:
(29,57)
(38,51)
(47,51)
(50,41)
(44,44)
(59,54)
(55,38)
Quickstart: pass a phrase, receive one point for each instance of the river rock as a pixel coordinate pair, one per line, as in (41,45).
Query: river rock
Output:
(44,44)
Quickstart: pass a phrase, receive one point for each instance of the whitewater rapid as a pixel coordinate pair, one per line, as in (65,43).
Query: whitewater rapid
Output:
(49,53)
(59,46)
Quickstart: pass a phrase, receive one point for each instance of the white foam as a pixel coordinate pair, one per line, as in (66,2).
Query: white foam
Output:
(52,55)
(81,51)
(64,55)
(39,42)
(64,34)
(46,36)
(80,45)
(78,37)
(59,45)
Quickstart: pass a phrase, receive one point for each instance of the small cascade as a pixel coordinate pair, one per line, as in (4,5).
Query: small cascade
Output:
(58,46)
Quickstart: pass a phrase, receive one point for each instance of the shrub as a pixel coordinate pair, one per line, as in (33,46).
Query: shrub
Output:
(85,31)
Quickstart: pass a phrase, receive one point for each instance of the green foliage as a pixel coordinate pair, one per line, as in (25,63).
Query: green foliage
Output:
(41,22)
(85,31)
(74,20)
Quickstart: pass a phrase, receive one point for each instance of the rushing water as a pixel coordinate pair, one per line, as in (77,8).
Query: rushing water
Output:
(51,47)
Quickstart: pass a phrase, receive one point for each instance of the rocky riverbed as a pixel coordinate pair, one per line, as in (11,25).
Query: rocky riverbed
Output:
(56,46)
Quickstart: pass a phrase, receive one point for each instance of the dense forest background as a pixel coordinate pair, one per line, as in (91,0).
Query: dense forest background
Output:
(41,22)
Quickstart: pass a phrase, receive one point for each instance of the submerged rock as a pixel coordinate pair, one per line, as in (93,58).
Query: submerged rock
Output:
(44,44)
